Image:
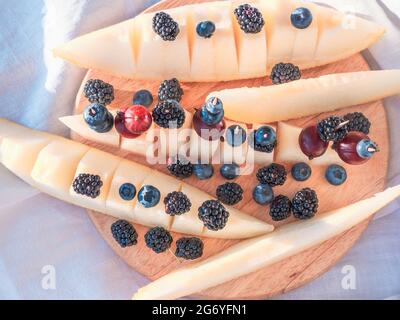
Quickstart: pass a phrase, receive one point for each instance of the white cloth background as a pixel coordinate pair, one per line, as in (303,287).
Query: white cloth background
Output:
(36,230)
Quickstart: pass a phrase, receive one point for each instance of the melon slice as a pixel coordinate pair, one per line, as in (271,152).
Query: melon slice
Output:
(77,124)
(288,149)
(100,163)
(254,254)
(156,216)
(126,172)
(308,97)
(163,59)
(189,222)
(97,50)
(251,47)
(142,145)
(234,154)
(50,171)
(201,149)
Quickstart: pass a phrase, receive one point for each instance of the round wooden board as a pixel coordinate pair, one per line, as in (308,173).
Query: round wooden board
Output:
(290,273)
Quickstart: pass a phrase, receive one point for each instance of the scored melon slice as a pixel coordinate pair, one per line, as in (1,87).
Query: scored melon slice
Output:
(288,148)
(156,215)
(126,172)
(77,124)
(254,254)
(50,170)
(163,59)
(307,97)
(100,163)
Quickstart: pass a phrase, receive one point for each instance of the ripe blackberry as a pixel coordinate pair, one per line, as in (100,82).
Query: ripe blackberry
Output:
(180,168)
(158,239)
(165,26)
(88,185)
(169,114)
(124,233)
(358,122)
(260,147)
(213,214)
(273,175)
(305,204)
(284,73)
(170,90)
(177,203)
(249,18)
(281,208)
(230,193)
(332,129)
(98,91)
(189,248)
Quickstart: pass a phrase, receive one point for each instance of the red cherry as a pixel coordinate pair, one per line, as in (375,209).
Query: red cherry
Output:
(311,144)
(138,119)
(214,132)
(356,148)
(121,128)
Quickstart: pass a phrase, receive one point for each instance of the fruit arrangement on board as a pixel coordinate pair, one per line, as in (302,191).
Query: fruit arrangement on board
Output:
(216,41)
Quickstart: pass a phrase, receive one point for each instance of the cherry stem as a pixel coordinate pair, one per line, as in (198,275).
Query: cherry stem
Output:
(343,124)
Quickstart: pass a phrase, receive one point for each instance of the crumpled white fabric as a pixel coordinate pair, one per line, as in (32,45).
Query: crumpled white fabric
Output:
(37,231)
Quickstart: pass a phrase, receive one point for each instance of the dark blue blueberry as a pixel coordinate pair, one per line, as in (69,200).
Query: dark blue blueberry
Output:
(127,191)
(98,118)
(366,148)
(235,135)
(143,98)
(209,118)
(301,18)
(230,171)
(214,105)
(263,194)
(149,196)
(301,172)
(203,171)
(336,175)
(265,136)
(205,29)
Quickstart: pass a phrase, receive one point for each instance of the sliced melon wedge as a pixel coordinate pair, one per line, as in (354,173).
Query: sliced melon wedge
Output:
(254,254)
(307,97)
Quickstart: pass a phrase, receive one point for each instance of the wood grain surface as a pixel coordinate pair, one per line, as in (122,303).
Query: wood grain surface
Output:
(363,181)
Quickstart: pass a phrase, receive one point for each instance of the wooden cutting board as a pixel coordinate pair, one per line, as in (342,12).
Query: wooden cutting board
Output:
(290,273)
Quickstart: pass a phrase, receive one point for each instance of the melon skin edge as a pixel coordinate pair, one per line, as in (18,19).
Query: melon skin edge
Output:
(254,254)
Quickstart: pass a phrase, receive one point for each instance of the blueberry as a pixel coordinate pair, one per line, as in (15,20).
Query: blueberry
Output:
(127,191)
(263,194)
(98,118)
(301,172)
(214,106)
(149,196)
(211,119)
(230,171)
(235,135)
(205,29)
(336,175)
(143,98)
(301,18)
(203,171)
(265,136)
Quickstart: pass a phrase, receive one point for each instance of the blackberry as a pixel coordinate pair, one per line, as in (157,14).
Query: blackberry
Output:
(273,175)
(177,203)
(305,204)
(170,90)
(213,214)
(169,114)
(180,168)
(124,233)
(88,185)
(358,122)
(158,239)
(230,193)
(165,26)
(249,18)
(189,248)
(284,73)
(281,208)
(332,129)
(98,91)
(265,148)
